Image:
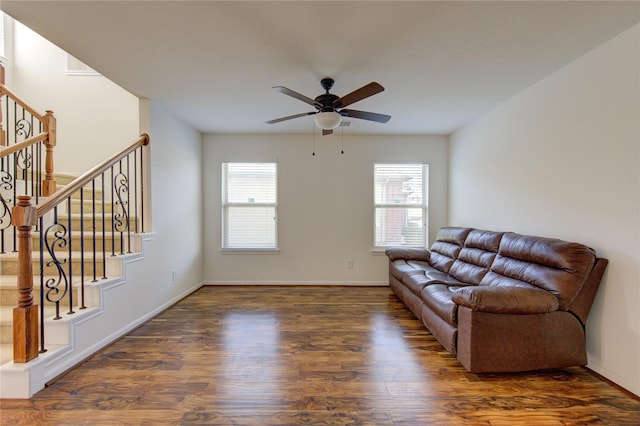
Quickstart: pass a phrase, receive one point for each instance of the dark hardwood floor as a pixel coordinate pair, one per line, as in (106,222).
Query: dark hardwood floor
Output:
(305,355)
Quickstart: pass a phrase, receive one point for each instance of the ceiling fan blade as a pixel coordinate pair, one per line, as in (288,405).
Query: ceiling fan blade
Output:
(326,132)
(358,95)
(289,117)
(364,115)
(296,95)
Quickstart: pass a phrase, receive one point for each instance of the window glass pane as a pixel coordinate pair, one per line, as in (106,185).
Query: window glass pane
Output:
(251,227)
(399,226)
(251,182)
(399,184)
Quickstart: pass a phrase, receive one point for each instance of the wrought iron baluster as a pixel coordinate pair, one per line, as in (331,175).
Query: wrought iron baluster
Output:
(30,171)
(128,206)
(41,250)
(6,186)
(15,195)
(15,121)
(93,230)
(70,239)
(82,256)
(135,188)
(40,166)
(104,239)
(56,287)
(113,212)
(142,190)
(38,177)
(121,214)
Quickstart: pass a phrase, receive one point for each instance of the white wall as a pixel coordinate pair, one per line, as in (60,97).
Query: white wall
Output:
(176,214)
(325,205)
(95,117)
(562,159)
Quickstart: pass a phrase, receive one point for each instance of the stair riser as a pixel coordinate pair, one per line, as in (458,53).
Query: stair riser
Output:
(87,204)
(88,224)
(9,296)
(116,245)
(6,325)
(10,267)
(87,207)
(6,332)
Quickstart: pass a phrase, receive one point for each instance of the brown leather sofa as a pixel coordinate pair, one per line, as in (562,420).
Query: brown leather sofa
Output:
(500,301)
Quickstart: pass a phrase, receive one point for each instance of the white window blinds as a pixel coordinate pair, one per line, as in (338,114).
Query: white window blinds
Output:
(401,201)
(249,206)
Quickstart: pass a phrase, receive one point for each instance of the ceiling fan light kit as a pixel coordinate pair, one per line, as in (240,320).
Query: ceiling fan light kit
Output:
(330,108)
(327,120)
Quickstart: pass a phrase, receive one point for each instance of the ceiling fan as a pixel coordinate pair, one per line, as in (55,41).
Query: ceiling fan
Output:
(330,108)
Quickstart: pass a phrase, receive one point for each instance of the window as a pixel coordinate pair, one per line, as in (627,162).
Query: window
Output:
(249,196)
(77,67)
(401,202)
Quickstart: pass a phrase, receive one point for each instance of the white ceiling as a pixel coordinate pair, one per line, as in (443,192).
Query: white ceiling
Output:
(213,63)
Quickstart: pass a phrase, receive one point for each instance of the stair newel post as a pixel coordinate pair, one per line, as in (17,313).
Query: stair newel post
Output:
(49,182)
(25,315)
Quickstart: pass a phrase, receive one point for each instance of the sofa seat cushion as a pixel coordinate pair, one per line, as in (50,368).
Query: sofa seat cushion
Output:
(439,298)
(418,280)
(398,268)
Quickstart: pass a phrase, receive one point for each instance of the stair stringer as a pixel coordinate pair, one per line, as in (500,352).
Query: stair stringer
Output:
(74,338)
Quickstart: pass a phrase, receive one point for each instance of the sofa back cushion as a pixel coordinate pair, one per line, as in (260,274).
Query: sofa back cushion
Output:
(477,255)
(444,251)
(554,265)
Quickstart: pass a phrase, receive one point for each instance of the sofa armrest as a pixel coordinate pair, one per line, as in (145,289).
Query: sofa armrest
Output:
(407,253)
(506,300)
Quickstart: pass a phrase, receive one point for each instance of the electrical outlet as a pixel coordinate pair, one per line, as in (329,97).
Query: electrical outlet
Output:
(174,275)
(349,263)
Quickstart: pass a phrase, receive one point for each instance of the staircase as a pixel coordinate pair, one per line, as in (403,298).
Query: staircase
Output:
(92,271)
(82,237)
(66,244)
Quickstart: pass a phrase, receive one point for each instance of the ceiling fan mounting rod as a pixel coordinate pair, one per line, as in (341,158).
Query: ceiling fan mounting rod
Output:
(327,83)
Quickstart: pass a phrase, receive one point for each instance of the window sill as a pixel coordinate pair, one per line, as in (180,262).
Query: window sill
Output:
(249,251)
(378,251)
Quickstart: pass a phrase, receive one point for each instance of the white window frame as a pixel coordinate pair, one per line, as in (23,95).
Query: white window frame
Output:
(76,67)
(424,205)
(226,204)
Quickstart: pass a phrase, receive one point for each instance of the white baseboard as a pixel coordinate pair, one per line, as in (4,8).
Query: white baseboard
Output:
(302,283)
(615,378)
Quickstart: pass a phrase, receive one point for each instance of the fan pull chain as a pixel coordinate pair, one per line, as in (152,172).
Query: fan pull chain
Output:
(342,140)
(313,131)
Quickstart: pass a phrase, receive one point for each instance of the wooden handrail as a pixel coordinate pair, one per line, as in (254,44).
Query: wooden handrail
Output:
(87,177)
(20,102)
(4,151)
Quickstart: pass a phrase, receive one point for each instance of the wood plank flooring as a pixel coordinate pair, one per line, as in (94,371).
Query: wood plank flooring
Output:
(305,355)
